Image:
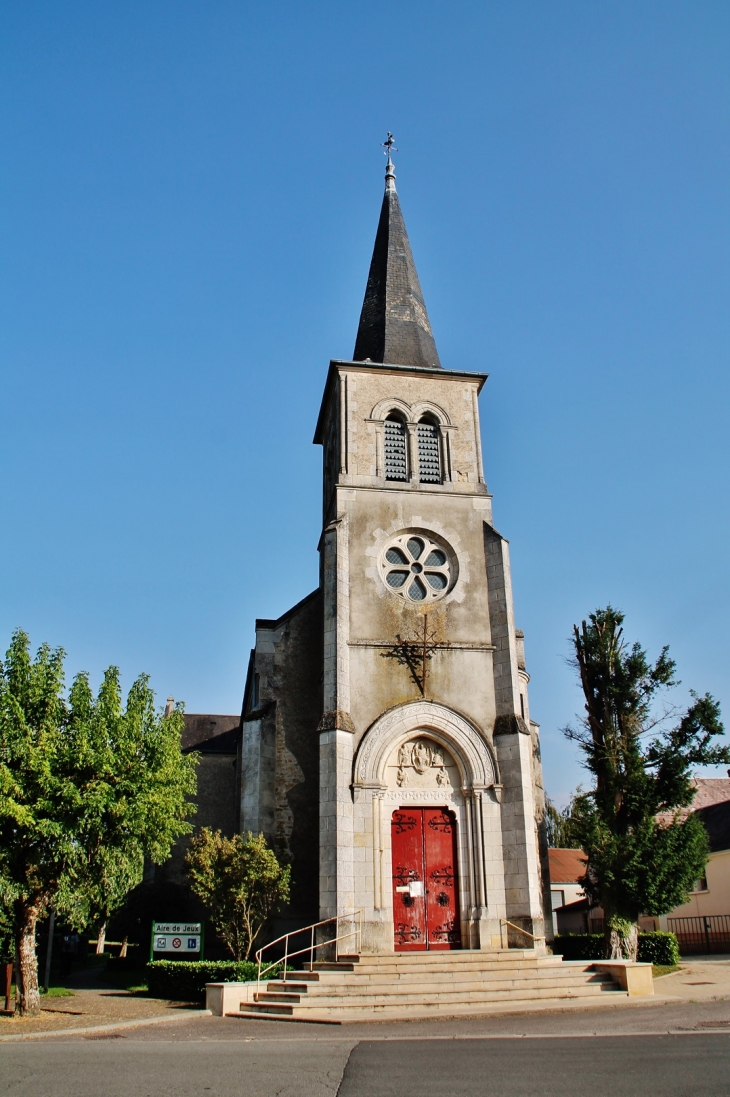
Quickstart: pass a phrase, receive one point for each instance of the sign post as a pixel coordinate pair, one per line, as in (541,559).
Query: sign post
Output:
(181,938)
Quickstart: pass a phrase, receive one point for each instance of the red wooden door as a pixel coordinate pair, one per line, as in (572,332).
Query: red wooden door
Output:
(409,889)
(442,894)
(425,882)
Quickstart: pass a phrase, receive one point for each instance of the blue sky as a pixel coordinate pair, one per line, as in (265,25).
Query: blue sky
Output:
(190,192)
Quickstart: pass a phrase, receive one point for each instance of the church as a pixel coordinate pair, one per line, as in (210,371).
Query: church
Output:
(385,745)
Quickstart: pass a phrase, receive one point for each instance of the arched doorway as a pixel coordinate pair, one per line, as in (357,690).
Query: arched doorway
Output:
(423,758)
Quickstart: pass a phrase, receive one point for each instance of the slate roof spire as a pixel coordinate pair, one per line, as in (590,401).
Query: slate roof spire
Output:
(394,326)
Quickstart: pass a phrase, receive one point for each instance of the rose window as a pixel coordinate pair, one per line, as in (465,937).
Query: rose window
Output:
(418,567)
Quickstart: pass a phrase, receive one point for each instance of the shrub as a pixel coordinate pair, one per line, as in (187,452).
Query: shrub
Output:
(658,948)
(241,882)
(184,980)
(654,948)
(579,946)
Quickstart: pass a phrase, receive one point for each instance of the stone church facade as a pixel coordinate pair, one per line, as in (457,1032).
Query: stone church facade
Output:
(386,744)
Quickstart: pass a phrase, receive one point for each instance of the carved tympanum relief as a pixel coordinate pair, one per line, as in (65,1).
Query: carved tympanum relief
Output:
(422,763)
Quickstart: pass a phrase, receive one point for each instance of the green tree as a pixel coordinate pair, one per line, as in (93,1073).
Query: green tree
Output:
(6,936)
(559,825)
(89,787)
(95,899)
(241,881)
(644,847)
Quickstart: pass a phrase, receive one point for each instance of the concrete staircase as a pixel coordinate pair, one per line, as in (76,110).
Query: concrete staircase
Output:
(426,984)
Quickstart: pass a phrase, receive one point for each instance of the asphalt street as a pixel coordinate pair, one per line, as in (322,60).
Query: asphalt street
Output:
(680,1050)
(624,1066)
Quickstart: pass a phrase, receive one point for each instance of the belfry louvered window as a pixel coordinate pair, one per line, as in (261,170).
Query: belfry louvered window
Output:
(395,449)
(429,463)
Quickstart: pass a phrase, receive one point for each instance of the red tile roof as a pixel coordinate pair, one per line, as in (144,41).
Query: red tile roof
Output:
(566,865)
(710,790)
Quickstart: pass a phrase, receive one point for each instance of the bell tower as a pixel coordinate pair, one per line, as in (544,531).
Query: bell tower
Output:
(425,710)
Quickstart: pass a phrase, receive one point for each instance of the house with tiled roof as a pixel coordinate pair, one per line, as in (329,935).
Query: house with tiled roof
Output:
(702,923)
(570,907)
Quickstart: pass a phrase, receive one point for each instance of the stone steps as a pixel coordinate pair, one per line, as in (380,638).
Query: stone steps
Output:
(404,977)
(341,1014)
(434,965)
(435,962)
(353,997)
(453,957)
(438,990)
(426,984)
(406,984)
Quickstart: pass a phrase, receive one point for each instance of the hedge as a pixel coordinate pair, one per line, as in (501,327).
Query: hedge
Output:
(654,948)
(659,948)
(184,980)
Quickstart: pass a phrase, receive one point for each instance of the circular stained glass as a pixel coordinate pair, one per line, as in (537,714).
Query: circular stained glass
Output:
(418,567)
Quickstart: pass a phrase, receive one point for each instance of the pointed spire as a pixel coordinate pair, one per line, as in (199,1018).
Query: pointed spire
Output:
(394,326)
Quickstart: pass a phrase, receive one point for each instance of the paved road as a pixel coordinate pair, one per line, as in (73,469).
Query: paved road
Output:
(624,1066)
(131,1068)
(653,1051)
(677,1050)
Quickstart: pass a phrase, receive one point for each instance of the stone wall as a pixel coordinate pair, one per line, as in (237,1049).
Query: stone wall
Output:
(280,746)
(215,738)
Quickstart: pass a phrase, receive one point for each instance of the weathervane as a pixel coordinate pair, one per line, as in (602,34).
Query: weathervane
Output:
(389,145)
(389,168)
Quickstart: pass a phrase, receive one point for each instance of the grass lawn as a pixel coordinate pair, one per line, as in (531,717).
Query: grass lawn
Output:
(53,992)
(664,969)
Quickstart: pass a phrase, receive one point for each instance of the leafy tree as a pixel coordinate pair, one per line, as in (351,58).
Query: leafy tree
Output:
(89,787)
(559,825)
(6,936)
(241,881)
(92,903)
(644,847)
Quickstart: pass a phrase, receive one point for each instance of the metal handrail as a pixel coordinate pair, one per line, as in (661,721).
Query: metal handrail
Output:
(311,948)
(521,930)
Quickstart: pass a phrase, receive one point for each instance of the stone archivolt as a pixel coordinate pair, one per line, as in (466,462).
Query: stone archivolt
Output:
(447,731)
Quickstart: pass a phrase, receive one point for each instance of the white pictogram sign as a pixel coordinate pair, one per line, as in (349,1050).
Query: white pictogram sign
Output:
(176,937)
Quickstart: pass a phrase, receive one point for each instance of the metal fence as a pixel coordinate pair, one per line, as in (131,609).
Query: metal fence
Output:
(707,934)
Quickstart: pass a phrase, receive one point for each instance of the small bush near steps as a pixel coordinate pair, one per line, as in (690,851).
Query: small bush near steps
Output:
(654,948)
(184,980)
